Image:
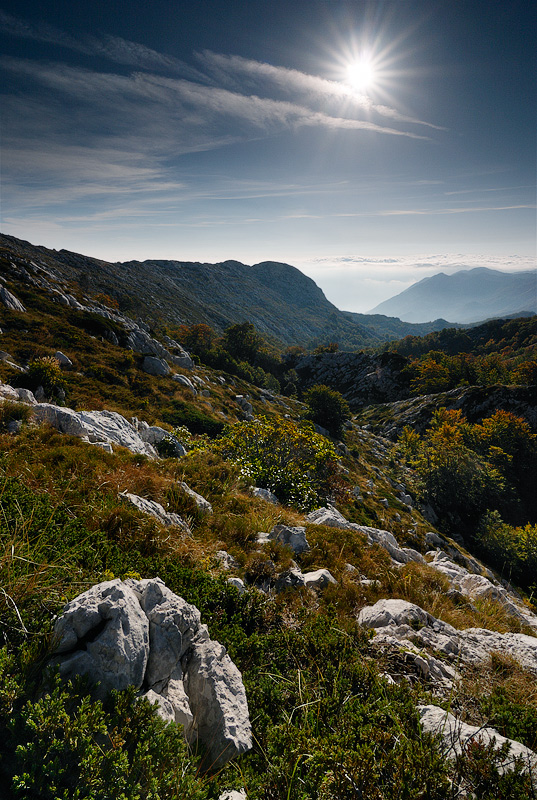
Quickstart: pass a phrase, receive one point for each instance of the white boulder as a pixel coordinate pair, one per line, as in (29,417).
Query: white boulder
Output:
(319,579)
(156,510)
(158,367)
(10,301)
(455,737)
(95,426)
(293,537)
(140,633)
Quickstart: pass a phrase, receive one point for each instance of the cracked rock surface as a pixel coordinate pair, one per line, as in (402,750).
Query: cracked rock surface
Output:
(122,633)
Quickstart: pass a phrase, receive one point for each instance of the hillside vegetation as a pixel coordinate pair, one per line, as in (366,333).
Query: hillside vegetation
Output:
(334,708)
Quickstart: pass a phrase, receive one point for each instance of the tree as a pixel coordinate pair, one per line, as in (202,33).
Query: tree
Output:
(327,408)
(242,341)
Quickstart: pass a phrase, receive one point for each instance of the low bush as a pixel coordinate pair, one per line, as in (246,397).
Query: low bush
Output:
(295,463)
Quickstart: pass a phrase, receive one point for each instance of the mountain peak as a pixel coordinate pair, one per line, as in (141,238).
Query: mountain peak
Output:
(466,296)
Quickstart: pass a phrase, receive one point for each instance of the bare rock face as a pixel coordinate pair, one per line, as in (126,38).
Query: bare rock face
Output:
(104,634)
(140,633)
(10,301)
(95,426)
(455,736)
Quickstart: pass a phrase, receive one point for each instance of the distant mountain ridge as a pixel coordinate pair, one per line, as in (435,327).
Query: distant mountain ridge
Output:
(277,298)
(466,296)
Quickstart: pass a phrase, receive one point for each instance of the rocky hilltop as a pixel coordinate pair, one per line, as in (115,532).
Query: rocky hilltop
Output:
(277,298)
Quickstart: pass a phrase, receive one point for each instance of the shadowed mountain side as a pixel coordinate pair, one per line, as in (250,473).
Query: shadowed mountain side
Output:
(278,299)
(466,296)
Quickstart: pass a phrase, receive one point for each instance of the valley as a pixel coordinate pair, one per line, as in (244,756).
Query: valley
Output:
(362,555)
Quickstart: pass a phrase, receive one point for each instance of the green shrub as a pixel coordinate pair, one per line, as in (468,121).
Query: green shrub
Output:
(293,461)
(66,745)
(327,408)
(511,550)
(46,372)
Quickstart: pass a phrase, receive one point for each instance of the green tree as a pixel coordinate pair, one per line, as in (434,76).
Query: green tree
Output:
(242,341)
(327,408)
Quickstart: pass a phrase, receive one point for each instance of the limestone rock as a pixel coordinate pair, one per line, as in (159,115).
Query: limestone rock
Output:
(165,708)
(158,367)
(329,516)
(293,537)
(265,494)
(140,633)
(7,392)
(406,624)
(96,426)
(226,560)
(156,510)
(455,736)
(184,381)
(289,579)
(203,505)
(238,583)
(62,359)
(26,396)
(218,702)
(104,634)
(155,435)
(392,612)
(10,301)
(319,579)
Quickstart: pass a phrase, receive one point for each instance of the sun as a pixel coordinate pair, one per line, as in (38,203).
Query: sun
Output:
(361,74)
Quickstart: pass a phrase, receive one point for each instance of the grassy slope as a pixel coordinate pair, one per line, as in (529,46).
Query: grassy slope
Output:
(326,724)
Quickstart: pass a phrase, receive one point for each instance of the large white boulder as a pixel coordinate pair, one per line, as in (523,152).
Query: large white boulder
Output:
(140,633)
(95,426)
(104,634)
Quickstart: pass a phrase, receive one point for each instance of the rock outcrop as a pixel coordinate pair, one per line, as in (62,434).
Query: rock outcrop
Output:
(407,626)
(94,426)
(455,737)
(140,633)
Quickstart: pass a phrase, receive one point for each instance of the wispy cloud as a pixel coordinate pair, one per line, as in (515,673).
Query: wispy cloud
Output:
(230,68)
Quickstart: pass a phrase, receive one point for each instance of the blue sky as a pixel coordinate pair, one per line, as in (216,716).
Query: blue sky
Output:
(209,130)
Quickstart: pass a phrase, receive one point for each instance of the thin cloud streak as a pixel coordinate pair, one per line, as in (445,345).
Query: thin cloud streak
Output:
(294,80)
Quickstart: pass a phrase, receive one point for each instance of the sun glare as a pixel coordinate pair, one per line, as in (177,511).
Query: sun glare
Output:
(361,74)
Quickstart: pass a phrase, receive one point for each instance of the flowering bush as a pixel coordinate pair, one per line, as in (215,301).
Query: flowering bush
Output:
(294,462)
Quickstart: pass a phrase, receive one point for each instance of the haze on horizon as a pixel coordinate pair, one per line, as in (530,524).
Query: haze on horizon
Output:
(369,144)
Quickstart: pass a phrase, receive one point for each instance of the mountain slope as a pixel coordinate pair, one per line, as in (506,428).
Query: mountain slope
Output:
(467,296)
(280,301)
